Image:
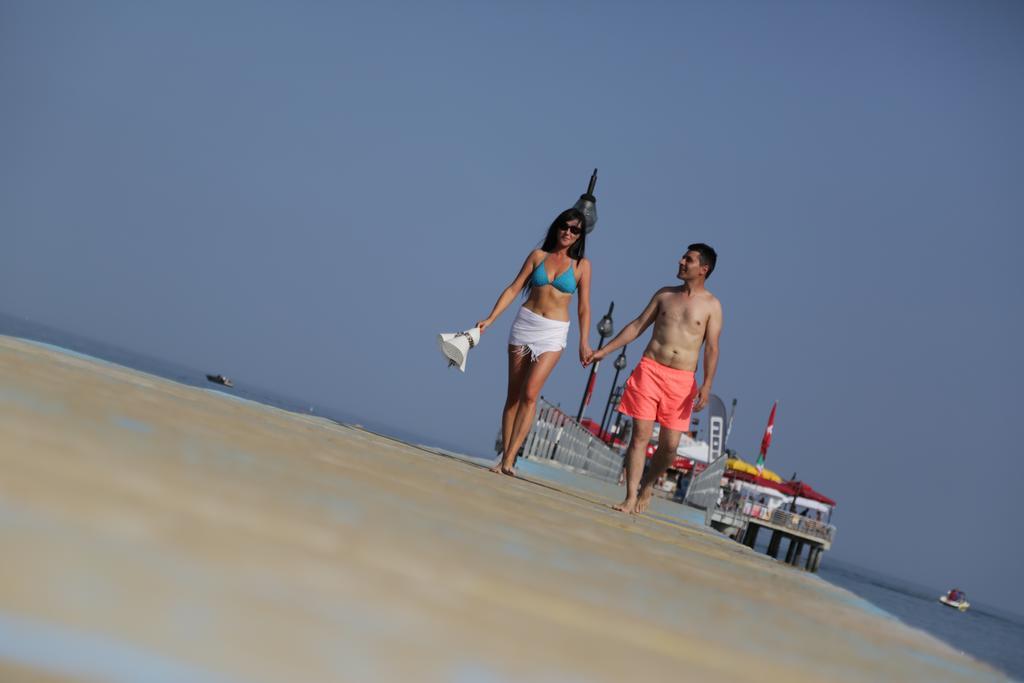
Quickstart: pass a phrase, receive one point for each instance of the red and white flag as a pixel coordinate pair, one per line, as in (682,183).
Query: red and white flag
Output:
(766,440)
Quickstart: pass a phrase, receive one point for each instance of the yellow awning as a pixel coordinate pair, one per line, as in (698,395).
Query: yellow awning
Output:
(743,466)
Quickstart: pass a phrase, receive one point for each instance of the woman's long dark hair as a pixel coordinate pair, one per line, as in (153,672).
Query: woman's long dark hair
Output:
(551,240)
(578,248)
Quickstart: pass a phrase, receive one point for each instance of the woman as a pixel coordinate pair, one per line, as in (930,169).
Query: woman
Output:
(539,333)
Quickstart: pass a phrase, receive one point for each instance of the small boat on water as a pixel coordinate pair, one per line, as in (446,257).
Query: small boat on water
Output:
(956,599)
(220,379)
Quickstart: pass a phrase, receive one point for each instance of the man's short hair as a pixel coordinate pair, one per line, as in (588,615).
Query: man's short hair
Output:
(708,257)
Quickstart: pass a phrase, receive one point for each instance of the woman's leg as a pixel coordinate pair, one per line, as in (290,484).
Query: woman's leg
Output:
(531,388)
(518,370)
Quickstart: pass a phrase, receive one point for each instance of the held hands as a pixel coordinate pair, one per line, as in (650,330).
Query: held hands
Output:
(593,357)
(702,398)
(585,353)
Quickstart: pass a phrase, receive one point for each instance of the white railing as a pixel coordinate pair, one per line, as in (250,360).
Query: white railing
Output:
(705,488)
(556,437)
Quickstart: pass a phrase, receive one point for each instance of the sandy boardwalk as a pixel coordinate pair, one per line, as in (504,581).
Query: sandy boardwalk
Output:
(157,532)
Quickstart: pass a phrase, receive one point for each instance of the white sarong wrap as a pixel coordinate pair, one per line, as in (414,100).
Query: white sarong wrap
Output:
(537,334)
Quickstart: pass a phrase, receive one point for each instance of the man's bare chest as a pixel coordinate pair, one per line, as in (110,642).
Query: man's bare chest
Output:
(683,314)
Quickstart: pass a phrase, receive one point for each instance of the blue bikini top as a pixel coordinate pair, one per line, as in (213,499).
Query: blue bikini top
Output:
(566,282)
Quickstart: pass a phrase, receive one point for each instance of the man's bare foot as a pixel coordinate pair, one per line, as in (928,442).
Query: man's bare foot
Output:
(644,500)
(510,471)
(496,469)
(628,506)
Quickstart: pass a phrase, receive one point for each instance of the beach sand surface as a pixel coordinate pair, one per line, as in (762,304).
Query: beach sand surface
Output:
(159,532)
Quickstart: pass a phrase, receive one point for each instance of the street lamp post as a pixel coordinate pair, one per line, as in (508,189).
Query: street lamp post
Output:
(613,429)
(604,329)
(620,429)
(620,363)
(609,406)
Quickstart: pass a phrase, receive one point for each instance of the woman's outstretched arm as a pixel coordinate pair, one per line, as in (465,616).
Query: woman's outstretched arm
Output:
(509,293)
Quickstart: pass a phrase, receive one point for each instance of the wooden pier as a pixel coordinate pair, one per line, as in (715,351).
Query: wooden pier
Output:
(743,519)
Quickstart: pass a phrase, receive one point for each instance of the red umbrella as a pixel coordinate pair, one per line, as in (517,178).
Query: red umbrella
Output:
(805,491)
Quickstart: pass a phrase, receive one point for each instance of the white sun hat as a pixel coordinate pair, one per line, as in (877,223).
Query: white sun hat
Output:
(455,346)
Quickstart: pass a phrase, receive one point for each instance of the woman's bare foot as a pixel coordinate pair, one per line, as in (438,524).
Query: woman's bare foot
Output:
(644,500)
(502,467)
(628,506)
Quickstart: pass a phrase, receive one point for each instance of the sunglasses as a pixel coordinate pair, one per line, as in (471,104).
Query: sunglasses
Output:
(574,229)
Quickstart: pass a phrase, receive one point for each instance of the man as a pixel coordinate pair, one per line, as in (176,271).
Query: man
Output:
(663,386)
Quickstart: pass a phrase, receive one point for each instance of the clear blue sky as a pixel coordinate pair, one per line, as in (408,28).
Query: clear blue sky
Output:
(302,195)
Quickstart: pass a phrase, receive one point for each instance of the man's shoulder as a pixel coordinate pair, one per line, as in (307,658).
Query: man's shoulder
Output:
(704,299)
(714,307)
(711,304)
(667,291)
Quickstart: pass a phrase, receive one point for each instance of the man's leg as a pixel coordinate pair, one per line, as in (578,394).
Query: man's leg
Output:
(635,457)
(668,442)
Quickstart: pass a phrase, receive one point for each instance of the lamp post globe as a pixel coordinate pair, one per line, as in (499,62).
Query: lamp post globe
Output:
(587,205)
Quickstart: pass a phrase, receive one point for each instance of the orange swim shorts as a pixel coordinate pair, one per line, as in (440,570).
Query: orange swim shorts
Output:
(658,392)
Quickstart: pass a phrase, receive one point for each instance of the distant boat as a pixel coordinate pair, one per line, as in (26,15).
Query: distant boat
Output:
(956,599)
(220,379)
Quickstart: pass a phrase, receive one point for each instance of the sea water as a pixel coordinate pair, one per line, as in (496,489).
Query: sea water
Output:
(983,632)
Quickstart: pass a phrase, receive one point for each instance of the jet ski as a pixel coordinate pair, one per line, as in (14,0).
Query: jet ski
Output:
(956,599)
